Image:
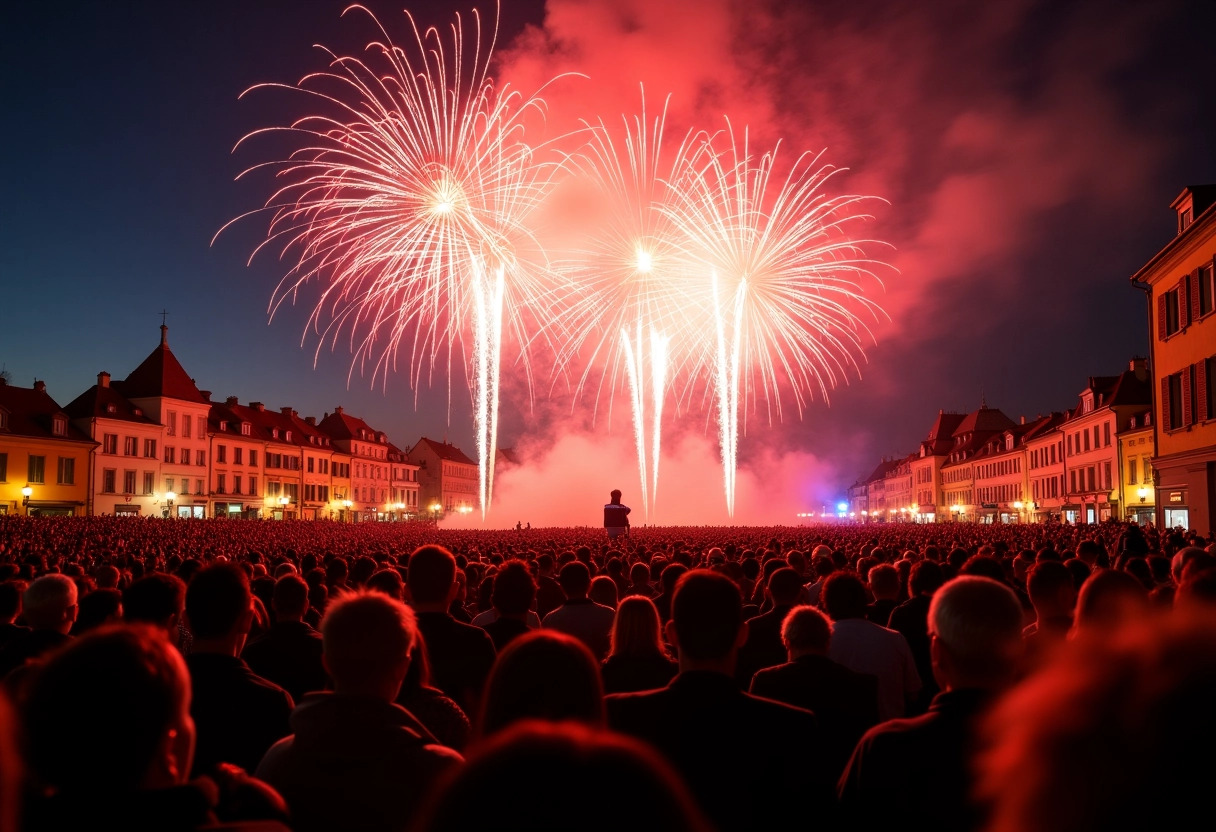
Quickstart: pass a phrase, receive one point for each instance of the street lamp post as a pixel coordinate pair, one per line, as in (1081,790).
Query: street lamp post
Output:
(27,491)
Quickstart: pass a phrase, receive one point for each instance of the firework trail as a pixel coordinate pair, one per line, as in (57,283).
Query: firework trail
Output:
(408,198)
(785,281)
(631,279)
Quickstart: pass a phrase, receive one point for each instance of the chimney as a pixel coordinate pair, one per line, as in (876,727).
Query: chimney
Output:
(1139,366)
(286,411)
(311,420)
(258,406)
(206,394)
(338,410)
(40,386)
(232,401)
(103,379)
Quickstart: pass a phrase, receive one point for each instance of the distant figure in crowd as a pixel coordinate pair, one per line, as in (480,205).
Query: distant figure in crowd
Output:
(356,760)
(638,659)
(579,616)
(616,516)
(289,653)
(50,611)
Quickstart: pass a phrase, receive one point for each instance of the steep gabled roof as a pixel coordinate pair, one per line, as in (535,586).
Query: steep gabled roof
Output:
(30,411)
(882,470)
(941,435)
(984,420)
(341,425)
(102,401)
(160,375)
(445,451)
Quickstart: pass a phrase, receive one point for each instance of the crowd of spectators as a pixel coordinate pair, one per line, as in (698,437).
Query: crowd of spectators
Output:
(186,674)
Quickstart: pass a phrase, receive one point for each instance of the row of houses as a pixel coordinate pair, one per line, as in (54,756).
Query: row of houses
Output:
(155,444)
(1137,446)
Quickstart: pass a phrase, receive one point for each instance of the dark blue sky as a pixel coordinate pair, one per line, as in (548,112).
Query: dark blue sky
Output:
(120,118)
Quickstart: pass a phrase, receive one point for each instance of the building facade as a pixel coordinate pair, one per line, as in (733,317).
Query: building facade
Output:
(448,480)
(44,457)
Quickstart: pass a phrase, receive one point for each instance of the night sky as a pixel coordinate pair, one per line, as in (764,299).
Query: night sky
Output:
(1028,151)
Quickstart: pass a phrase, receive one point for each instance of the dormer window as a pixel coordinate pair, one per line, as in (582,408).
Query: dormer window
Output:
(1009,442)
(1186,216)
(288,436)
(245,429)
(223,426)
(274,433)
(110,408)
(59,426)
(3,419)
(137,411)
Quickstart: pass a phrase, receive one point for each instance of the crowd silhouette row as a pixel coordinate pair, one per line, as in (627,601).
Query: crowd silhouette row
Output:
(182,675)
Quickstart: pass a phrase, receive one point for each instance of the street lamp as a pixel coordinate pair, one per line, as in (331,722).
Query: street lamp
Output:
(284,501)
(27,491)
(1017,506)
(170,496)
(956,510)
(1141,492)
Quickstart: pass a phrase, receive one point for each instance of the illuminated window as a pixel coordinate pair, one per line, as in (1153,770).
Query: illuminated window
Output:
(150,448)
(59,426)
(109,443)
(37,469)
(1207,290)
(245,429)
(149,482)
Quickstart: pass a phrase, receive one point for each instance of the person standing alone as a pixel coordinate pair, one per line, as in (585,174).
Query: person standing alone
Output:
(616,516)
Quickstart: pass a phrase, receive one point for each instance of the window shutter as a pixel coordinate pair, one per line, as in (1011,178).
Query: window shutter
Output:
(1188,411)
(1165,403)
(1201,391)
(1194,305)
(1161,316)
(1184,301)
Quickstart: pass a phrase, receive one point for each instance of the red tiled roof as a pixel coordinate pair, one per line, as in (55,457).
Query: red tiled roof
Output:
(341,425)
(446,451)
(97,401)
(30,411)
(160,375)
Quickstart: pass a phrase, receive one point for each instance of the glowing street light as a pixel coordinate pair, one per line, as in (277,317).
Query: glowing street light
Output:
(1141,492)
(27,491)
(170,497)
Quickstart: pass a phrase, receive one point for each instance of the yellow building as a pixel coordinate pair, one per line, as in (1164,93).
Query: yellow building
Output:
(44,459)
(1178,282)
(1136,469)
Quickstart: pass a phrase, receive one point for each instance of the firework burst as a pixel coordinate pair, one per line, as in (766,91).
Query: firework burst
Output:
(407,199)
(784,280)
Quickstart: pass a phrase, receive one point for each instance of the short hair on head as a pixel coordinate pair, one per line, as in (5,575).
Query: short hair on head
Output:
(925,578)
(615,495)
(290,595)
(388,581)
(431,572)
(844,596)
(979,622)
(575,762)
(154,598)
(542,674)
(109,696)
(366,637)
(47,599)
(216,599)
(574,578)
(784,585)
(1046,578)
(806,628)
(603,591)
(514,589)
(671,575)
(884,580)
(707,611)
(10,599)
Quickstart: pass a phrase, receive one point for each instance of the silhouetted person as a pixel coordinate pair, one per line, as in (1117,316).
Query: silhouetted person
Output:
(845,702)
(865,647)
(438,712)
(579,616)
(512,596)
(911,620)
(158,599)
(109,743)
(238,713)
(735,751)
(50,610)
(289,653)
(542,675)
(915,773)
(97,608)
(763,647)
(548,593)
(356,760)
(638,658)
(616,516)
(1054,596)
(10,608)
(461,655)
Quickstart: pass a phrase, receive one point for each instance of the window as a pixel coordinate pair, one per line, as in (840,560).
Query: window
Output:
(187,420)
(1205,397)
(253,485)
(109,443)
(1085,436)
(109,480)
(311,463)
(185,486)
(170,456)
(3,419)
(245,430)
(238,455)
(236,483)
(149,482)
(1205,290)
(1174,400)
(253,456)
(171,425)
(1167,312)
(3,467)
(67,471)
(128,482)
(129,446)
(1131,472)
(37,469)
(1106,475)
(200,458)
(1106,435)
(221,454)
(169,483)
(221,484)
(59,426)
(198,486)
(150,448)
